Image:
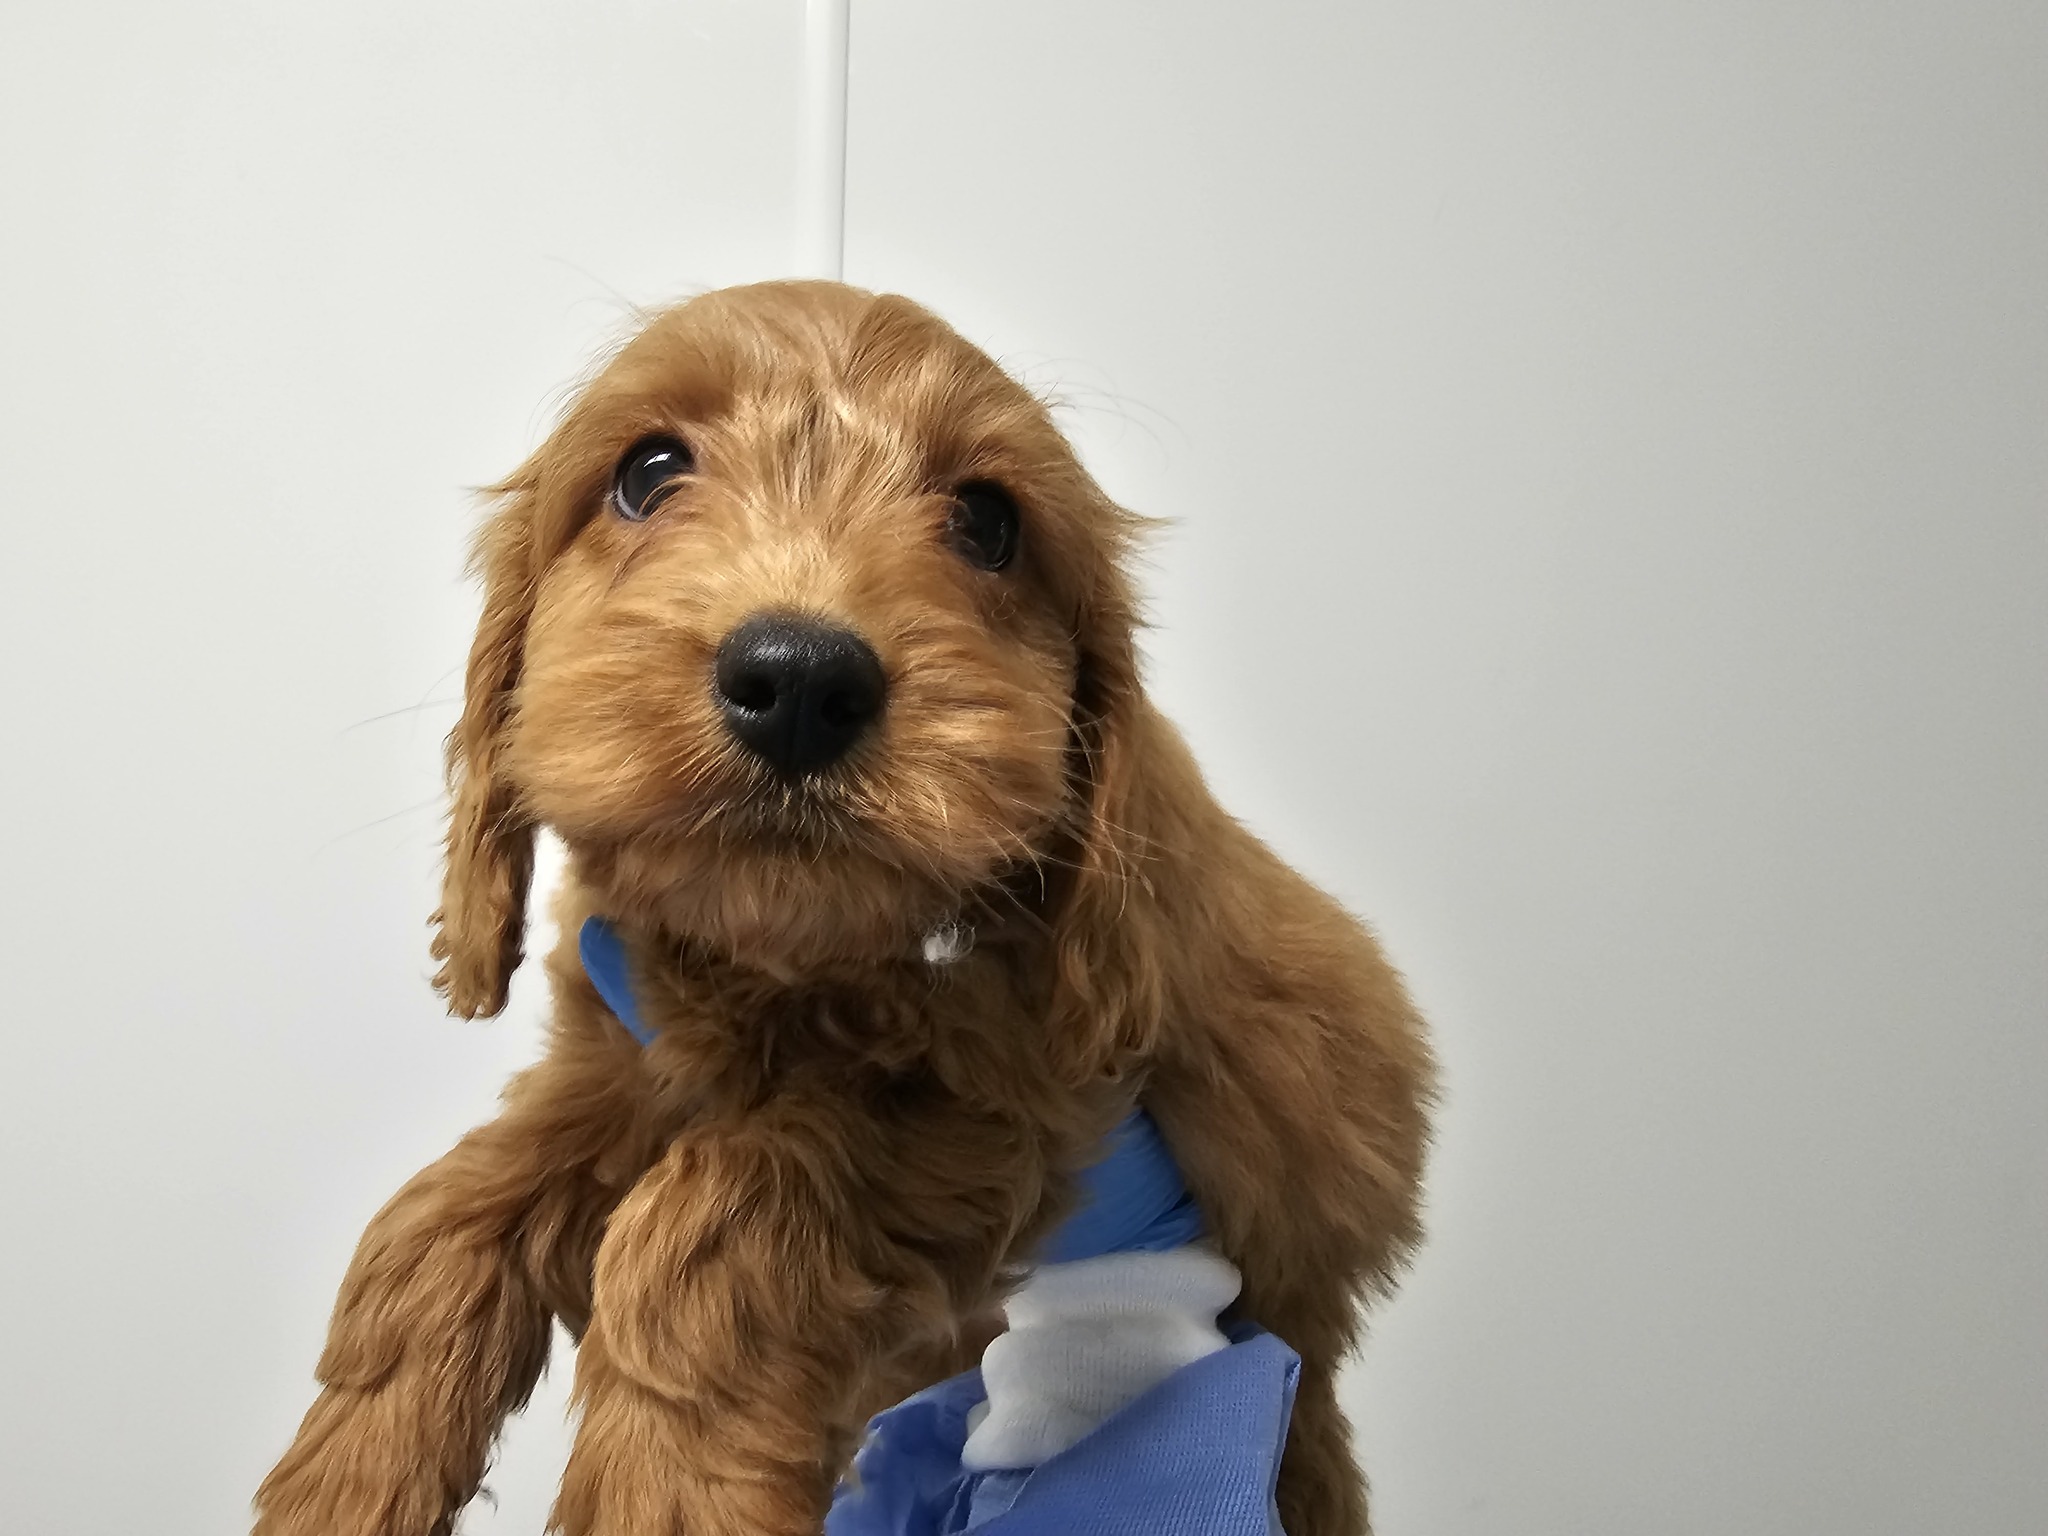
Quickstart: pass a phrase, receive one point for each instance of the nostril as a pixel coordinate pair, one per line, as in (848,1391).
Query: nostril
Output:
(753,691)
(847,705)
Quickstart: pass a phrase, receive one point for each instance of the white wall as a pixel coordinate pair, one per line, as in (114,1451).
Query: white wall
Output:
(277,284)
(1612,553)
(1610,443)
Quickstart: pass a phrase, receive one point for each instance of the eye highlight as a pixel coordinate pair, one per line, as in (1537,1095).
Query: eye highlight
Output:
(984,524)
(648,475)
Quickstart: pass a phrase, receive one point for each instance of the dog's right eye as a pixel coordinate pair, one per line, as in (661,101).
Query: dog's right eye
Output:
(648,474)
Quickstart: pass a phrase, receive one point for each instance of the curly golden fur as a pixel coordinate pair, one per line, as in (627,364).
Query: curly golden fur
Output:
(802,1200)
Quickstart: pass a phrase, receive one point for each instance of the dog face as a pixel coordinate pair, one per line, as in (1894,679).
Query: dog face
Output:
(803,629)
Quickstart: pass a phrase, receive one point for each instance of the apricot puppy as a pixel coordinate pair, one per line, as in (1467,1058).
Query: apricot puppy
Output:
(811,639)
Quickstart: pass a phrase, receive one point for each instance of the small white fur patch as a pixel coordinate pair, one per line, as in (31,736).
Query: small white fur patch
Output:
(947,943)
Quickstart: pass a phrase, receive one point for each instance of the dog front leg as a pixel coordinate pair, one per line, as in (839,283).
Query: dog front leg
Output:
(753,1291)
(443,1321)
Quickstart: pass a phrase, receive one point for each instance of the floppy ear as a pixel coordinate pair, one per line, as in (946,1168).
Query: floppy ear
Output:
(481,922)
(1109,929)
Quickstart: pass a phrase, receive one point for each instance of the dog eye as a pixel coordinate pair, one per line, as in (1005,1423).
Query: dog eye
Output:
(983,524)
(647,475)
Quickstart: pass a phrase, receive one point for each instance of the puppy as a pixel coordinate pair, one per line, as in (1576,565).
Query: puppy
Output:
(812,641)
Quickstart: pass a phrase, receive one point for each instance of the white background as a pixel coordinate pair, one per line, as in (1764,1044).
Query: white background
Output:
(1607,449)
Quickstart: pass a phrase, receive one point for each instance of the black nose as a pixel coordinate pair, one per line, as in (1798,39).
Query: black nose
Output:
(796,691)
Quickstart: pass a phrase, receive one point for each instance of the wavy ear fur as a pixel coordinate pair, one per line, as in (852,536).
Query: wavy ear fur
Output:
(481,923)
(1109,928)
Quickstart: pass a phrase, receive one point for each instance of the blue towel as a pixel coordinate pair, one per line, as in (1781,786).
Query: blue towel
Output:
(1196,1456)
(1131,1201)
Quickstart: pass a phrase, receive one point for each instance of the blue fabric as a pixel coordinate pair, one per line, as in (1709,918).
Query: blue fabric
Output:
(604,962)
(1132,1201)
(1198,1455)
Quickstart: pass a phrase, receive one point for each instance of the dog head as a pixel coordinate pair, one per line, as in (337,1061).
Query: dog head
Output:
(803,629)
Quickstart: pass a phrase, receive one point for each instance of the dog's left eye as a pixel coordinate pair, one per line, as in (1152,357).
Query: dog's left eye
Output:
(983,524)
(647,476)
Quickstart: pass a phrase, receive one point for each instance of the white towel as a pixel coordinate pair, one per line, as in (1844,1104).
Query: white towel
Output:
(1085,1339)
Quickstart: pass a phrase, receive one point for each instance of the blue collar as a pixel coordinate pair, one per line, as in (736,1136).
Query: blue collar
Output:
(1132,1201)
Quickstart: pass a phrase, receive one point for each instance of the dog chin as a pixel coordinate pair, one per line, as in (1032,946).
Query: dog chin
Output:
(831,932)
(792,908)
(794,887)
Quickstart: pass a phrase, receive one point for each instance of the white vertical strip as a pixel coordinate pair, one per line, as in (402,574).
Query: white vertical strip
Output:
(821,165)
